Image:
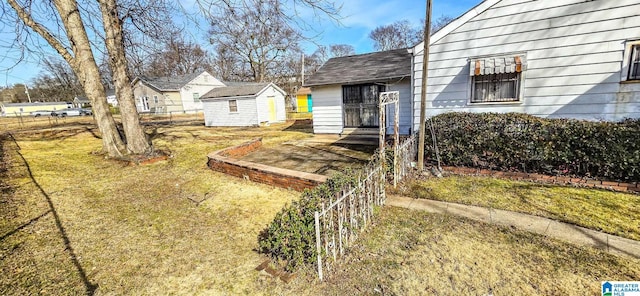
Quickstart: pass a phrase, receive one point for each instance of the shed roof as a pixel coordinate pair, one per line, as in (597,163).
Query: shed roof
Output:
(370,67)
(236,90)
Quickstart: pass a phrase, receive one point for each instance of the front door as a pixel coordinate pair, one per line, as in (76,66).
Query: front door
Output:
(361,105)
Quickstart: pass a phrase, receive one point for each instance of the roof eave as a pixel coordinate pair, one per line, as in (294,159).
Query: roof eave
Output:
(345,82)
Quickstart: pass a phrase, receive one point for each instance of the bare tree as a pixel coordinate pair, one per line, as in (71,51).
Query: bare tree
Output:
(71,41)
(255,33)
(440,22)
(314,61)
(341,50)
(178,58)
(56,82)
(400,34)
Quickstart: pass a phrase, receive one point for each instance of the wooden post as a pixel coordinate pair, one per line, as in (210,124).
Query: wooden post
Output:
(318,244)
(423,95)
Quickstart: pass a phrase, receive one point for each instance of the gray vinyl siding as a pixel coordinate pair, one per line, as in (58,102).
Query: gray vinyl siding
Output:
(574,51)
(216,112)
(327,109)
(404,87)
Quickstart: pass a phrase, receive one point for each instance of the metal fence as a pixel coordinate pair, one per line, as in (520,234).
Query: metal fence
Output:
(407,154)
(25,122)
(338,224)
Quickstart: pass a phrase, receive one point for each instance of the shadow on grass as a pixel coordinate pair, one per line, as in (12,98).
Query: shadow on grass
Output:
(89,286)
(303,126)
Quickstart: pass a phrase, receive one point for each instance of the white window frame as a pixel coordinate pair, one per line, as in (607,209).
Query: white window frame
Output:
(626,62)
(236,106)
(196,97)
(520,87)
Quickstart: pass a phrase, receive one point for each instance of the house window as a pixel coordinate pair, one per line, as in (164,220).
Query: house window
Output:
(634,63)
(233,106)
(196,97)
(496,79)
(155,100)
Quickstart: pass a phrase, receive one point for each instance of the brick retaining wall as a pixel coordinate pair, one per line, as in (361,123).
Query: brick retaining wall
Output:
(224,161)
(579,182)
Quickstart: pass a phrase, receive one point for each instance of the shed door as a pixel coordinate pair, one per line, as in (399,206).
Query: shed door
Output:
(361,105)
(272,109)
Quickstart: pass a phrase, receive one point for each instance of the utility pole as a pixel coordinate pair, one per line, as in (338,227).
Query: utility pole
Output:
(26,90)
(302,68)
(423,95)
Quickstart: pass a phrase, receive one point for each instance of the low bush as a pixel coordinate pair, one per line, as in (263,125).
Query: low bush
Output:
(520,142)
(291,234)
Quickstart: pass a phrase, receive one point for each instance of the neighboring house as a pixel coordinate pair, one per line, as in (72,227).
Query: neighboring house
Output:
(111,97)
(244,104)
(303,100)
(173,94)
(346,92)
(81,102)
(25,109)
(549,58)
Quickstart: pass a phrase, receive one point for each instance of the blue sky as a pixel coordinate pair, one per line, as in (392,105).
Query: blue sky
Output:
(359,17)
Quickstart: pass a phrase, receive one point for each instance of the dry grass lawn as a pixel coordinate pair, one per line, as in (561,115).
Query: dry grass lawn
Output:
(74,223)
(414,253)
(611,212)
(77,220)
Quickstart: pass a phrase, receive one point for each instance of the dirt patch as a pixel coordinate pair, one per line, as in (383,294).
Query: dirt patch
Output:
(317,158)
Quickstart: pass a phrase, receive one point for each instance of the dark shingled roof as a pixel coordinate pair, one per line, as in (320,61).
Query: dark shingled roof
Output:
(236,90)
(370,67)
(169,83)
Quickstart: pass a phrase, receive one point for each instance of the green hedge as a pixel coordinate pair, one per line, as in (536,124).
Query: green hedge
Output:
(520,142)
(291,235)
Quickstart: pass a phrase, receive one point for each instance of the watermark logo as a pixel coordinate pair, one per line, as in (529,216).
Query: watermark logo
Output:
(620,288)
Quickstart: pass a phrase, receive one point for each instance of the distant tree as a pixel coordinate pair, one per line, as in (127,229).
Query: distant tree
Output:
(178,58)
(400,34)
(440,22)
(254,32)
(341,50)
(314,61)
(13,94)
(56,82)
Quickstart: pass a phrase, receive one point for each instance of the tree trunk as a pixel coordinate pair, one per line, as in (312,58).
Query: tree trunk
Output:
(137,141)
(85,67)
(82,63)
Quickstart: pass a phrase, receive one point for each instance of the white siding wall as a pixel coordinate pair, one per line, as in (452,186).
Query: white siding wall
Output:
(574,52)
(200,85)
(406,120)
(216,112)
(263,105)
(327,109)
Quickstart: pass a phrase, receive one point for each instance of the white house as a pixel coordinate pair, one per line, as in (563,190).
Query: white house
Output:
(244,104)
(550,58)
(111,97)
(179,93)
(346,92)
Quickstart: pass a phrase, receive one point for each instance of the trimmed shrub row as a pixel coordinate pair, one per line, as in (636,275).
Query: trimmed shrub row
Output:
(291,234)
(520,142)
